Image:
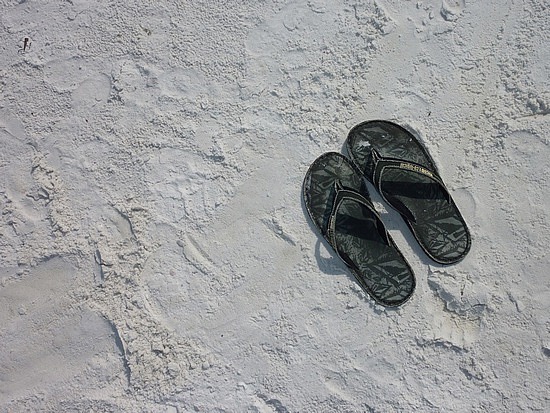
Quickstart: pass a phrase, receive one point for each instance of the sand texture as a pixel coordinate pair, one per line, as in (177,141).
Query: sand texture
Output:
(155,252)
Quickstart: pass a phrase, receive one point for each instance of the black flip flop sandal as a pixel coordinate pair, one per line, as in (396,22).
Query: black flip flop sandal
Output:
(338,204)
(401,169)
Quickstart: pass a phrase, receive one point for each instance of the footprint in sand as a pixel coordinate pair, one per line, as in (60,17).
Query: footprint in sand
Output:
(92,92)
(64,74)
(69,338)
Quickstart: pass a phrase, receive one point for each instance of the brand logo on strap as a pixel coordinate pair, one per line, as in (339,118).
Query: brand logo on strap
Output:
(416,168)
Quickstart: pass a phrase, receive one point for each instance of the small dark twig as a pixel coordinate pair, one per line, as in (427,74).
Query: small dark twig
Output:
(26,45)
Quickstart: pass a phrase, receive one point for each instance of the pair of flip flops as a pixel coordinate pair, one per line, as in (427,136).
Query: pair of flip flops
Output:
(338,202)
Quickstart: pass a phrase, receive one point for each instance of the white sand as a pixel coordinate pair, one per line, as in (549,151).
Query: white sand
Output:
(155,255)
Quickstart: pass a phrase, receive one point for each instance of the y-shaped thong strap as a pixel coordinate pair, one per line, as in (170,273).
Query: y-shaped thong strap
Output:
(381,164)
(342,194)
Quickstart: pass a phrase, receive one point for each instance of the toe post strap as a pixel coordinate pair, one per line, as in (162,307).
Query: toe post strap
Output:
(381,164)
(341,194)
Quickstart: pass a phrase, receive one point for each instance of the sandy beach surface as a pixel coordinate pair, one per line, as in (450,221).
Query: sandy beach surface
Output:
(155,252)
